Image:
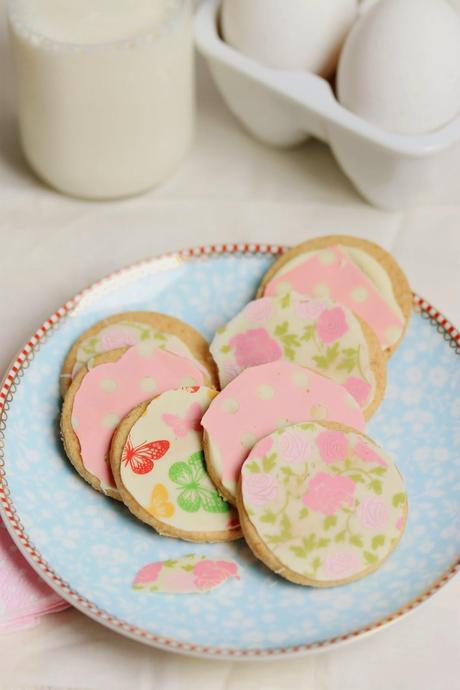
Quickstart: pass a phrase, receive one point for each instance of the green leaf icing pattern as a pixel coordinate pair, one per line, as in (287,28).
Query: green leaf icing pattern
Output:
(306,335)
(329,521)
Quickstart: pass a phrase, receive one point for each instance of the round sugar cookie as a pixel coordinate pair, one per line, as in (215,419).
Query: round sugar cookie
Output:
(127,329)
(315,333)
(158,463)
(104,391)
(320,504)
(352,271)
(260,400)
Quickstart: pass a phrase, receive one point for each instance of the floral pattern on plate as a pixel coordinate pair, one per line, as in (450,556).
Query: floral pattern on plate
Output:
(94,545)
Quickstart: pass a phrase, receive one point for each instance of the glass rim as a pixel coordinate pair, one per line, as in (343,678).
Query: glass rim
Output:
(137,40)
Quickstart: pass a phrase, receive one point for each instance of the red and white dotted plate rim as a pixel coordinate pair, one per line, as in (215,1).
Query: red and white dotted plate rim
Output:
(12,520)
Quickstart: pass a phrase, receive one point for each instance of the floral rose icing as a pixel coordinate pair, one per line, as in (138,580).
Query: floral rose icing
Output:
(332,445)
(190,574)
(264,398)
(315,333)
(331,516)
(162,465)
(254,347)
(327,493)
(126,333)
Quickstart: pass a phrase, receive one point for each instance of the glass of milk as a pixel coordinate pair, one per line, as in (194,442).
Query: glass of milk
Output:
(105,91)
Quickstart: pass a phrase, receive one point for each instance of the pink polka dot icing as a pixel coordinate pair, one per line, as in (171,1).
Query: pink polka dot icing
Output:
(262,399)
(331,516)
(108,392)
(333,273)
(125,333)
(315,333)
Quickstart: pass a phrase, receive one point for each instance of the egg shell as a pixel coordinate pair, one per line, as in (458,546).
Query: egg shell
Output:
(400,66)
(289,34)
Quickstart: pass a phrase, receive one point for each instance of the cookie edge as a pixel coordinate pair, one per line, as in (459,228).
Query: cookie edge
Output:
(69,438)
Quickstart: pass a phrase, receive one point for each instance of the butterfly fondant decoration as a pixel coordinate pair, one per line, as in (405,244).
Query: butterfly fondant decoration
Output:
(142,458)
(182,425)
(160,506)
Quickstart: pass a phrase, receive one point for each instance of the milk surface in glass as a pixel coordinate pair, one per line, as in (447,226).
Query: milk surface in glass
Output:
(106,92)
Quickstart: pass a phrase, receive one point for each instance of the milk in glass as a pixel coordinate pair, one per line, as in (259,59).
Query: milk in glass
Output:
(106,93)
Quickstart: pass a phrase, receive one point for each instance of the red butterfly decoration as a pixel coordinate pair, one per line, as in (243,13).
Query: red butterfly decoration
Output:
(142,458)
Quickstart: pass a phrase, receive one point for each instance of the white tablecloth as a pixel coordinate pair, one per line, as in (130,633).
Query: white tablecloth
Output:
(230,189)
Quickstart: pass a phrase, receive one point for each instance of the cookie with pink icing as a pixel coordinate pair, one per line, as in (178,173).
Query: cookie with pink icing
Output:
(260,400)
(190,574)
(158,464)
(354,272)
(315,333)
(321,505)
(129,328)
(104,391)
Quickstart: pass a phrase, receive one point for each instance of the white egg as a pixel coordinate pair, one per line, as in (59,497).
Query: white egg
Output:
(289,34)
(400,65)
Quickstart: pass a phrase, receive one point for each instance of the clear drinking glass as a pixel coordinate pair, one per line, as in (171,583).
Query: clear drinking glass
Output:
(105,91)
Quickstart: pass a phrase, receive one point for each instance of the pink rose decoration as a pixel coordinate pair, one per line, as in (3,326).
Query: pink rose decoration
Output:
(117,338)
(262,448)
(210,574)
(331,325)
(179,582)
(260,310)
(373,513)
(294,446)
(259,488)
(359,389)
(366,453)
(342,563)
(400,523)
(148,574)
(255,347)
(327,493)
(332,445)
(309,310)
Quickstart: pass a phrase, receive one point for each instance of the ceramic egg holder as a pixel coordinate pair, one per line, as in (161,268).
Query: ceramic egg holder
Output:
(284,108)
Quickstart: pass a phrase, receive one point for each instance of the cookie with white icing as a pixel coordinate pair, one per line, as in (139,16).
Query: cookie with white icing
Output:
(129,328)
(260,400)
(173,492)
(352,271)
(315,333)
(104,391)
(321,505)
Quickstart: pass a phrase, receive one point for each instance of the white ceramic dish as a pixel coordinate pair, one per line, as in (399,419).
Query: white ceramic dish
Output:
(284,108)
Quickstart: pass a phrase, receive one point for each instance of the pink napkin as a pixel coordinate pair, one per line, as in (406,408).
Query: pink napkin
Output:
(24,596)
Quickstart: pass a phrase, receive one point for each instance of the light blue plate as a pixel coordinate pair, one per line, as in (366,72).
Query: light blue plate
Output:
(90,547)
